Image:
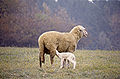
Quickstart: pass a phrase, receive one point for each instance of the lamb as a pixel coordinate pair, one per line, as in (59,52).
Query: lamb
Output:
(51,41)
(70,57)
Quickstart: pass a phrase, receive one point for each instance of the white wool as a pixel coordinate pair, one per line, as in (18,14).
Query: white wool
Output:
(68,56)
(81,27)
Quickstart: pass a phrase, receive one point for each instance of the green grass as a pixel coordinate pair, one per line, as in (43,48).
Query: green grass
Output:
(23,63)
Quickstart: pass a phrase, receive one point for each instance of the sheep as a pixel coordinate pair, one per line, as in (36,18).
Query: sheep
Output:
(70,57)
(51,41)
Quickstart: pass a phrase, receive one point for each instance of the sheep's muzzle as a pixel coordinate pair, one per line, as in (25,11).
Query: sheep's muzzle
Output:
(85,33)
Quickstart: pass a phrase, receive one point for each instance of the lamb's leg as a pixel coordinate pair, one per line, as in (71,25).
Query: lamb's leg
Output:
(74,62)
(68,63)
(62,61)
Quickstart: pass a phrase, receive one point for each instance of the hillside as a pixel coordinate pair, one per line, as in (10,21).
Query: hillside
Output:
(23,21)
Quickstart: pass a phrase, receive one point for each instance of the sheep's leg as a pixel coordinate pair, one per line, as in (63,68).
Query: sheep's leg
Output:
(42,57)
(51,59)
(40,60)
(71,48)
(52,54)
(62,61)
(41,49)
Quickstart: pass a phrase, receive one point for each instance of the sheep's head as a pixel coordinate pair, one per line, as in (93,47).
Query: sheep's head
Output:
(80,31)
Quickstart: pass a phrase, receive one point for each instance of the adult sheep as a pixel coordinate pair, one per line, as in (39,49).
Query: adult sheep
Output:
(51,41)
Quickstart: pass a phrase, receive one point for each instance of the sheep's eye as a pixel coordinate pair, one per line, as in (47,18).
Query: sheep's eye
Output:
(80,30)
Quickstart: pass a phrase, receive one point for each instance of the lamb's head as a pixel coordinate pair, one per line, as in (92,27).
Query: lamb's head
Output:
(80,31)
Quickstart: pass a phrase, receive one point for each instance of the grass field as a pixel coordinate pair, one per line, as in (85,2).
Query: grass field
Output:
(23,63)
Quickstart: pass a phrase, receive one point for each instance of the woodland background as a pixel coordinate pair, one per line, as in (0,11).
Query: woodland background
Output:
(23,21)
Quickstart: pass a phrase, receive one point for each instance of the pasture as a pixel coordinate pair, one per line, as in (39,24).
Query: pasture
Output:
(23,63)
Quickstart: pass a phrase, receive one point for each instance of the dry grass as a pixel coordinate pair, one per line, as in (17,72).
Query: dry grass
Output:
(23,63)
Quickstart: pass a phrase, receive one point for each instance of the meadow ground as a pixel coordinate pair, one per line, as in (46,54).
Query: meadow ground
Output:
(23,63)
